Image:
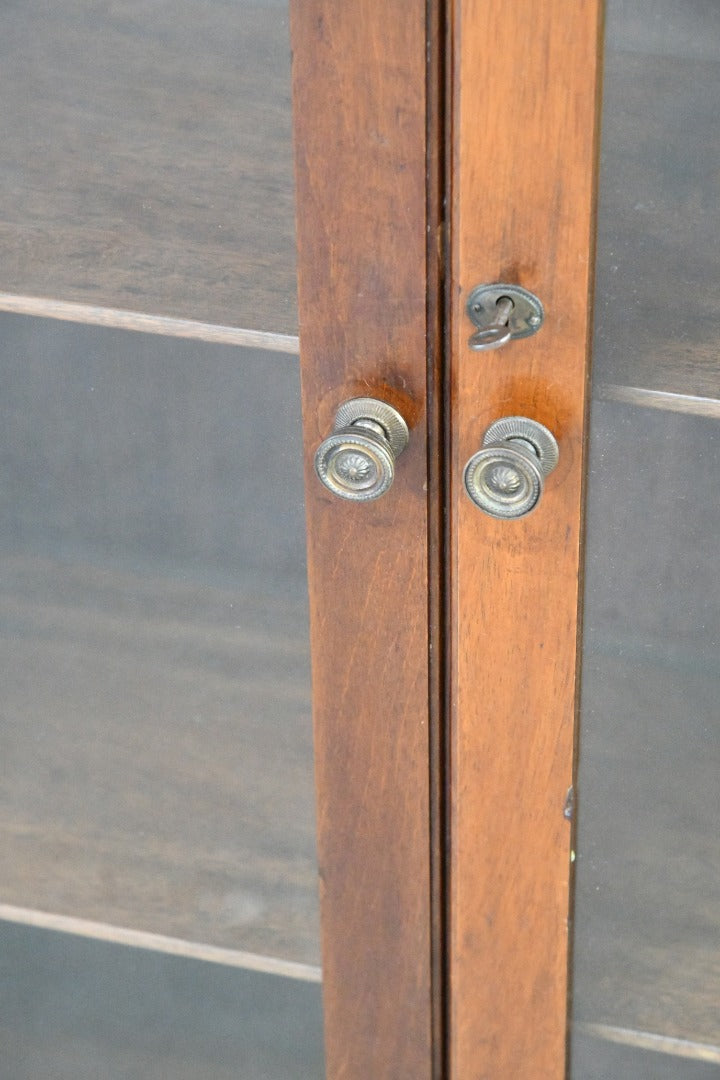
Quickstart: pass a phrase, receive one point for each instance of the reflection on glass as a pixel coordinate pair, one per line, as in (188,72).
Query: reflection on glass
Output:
(156,703)
(647,952)
(74,1008)
(147,158)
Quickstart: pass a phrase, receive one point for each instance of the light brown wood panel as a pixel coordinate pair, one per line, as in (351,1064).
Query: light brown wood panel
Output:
(359,79)
(147,158)
(524,108)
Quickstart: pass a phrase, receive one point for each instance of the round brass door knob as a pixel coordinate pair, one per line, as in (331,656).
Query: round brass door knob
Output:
(505,478)
(357,461)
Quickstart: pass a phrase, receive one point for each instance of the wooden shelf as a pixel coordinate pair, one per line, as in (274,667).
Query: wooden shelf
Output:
(147,159)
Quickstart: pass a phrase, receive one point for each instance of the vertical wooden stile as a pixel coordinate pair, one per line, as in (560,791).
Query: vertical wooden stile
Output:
(360,104)
(524,136)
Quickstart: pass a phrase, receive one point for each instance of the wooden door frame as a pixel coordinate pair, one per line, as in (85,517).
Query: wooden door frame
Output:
(525,95)
(416,628)
(366,98)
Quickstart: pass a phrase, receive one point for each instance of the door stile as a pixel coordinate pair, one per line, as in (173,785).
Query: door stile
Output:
(361,115)
(525,92)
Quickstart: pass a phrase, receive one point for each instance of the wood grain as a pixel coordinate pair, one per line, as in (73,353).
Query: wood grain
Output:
(359,82)
(147,158)
(524,111)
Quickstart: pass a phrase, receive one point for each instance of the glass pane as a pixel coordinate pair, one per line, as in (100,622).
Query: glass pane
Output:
(647,949)
(156,730)
(79,1009)
(599,1058)
(147,158)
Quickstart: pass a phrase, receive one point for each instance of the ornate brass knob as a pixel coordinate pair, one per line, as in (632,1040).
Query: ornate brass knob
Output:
(357,461)
(505,478)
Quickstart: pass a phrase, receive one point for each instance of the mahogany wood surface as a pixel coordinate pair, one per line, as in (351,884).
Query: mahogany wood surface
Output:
(525,82)
(359,93)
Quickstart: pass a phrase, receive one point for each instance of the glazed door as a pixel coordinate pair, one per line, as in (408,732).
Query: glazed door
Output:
(646,971)
(634,817)
(162,809)
(167,804)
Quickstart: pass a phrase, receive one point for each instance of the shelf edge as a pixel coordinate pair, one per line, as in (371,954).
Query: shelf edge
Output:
(647,1040)
(149,324)
(141,939)
(658,399)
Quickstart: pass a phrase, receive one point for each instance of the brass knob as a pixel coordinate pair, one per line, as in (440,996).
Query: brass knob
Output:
(505,478)
(357,461)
